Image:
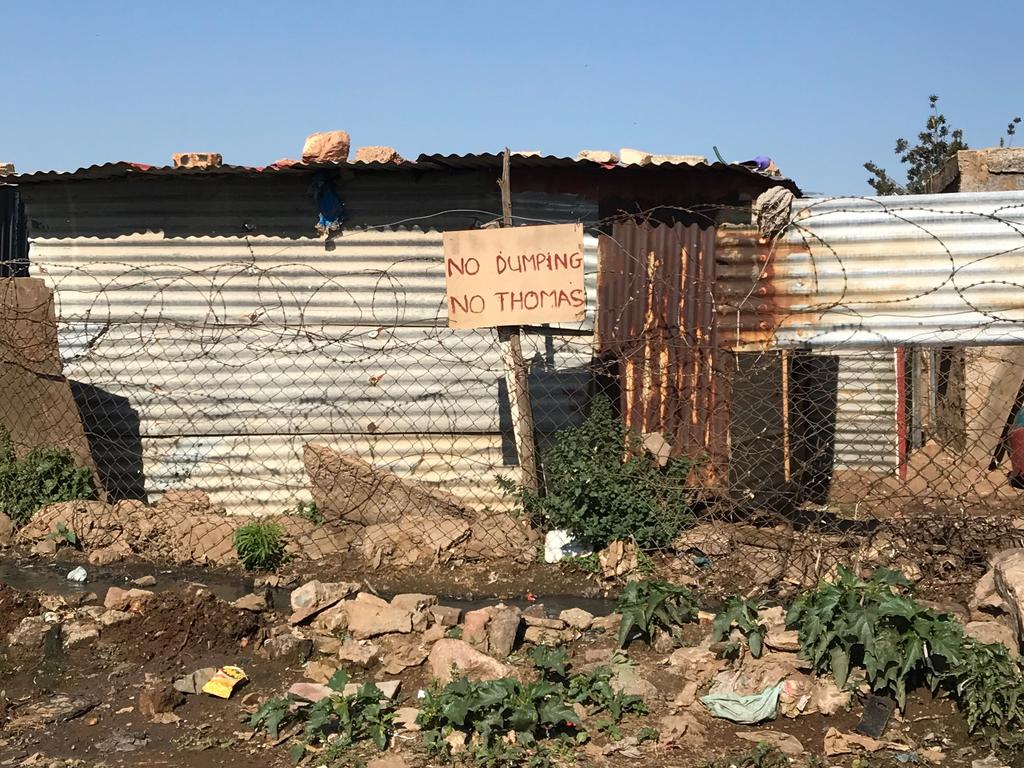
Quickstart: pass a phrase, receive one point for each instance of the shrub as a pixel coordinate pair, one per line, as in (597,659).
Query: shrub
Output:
(46,475)
(603,485)
(649,605)
(260,546)
(852,622)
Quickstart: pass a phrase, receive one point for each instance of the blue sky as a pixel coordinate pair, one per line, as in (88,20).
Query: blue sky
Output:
(821,87)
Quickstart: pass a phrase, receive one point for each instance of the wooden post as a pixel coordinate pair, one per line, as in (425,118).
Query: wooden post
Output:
(516,380)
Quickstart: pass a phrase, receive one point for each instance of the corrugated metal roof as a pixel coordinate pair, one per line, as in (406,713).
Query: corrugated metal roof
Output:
(878,271)
(425,162)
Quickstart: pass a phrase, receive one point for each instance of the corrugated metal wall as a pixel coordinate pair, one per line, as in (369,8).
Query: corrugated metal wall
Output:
(208,362)
(882,272)
(866,404)
(657,324)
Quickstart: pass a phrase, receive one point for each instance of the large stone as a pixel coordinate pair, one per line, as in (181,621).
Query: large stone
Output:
(629,156)
(115,553)
(333,620)
(131,600)
(378,155)
(197,159)
(79,633)
(474,627)
(501,536)
(414,539)
(414,601)
(602,156)
(316,596)
(992,632)
(287,647)
(349,488)
(628,681)
(502,630)
(446,616)
(368,620)
(31,633)
(1008,571)
(362,654)
(159,698)
(986,600)
(577,618)
(458,656)
(254,602)
(326,147)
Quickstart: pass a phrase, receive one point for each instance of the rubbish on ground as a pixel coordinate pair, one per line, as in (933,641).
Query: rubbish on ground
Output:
(784,742)
(78,574)
(839,743)
(193,683)
(223,684)
(754,708)
(559,544)
(56,709)
(877,711)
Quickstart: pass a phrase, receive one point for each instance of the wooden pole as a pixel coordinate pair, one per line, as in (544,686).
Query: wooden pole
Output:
(516,380)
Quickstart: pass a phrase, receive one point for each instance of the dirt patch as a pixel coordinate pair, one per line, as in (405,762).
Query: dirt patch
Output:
(15,606)
(182,621)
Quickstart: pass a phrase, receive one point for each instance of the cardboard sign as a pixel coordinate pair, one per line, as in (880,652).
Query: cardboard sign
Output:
(515,276)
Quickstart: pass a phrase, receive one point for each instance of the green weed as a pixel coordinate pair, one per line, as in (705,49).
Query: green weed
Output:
(648,605)
(46,475)
(603,485)
(742,615)
(260,546)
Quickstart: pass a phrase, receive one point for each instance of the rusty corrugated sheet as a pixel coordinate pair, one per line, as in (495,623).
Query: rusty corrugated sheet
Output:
(877,272)
(656,321)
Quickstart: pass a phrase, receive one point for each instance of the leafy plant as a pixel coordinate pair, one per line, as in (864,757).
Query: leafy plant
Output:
(651,604)
(742,615)
(46,475)
(595,692)
(64,536)
(852,622)
(602,485)
(487,712)
(550,660)
(509,723)
(581,563)
(989,685)
(260,546)
(761,756)
(365,715)
(308,510)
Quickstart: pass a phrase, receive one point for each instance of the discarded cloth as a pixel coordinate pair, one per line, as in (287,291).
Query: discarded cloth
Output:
(748,710)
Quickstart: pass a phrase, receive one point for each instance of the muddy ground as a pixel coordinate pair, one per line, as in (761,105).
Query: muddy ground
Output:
(81,703)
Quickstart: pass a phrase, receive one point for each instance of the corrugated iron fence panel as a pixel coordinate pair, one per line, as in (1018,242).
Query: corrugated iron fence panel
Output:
(657,322)
(883,271)
(216,359)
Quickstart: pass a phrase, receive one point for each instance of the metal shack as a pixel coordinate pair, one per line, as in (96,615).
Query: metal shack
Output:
(210,332)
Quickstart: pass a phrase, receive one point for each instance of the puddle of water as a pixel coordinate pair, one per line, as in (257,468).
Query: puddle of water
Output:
(34,575)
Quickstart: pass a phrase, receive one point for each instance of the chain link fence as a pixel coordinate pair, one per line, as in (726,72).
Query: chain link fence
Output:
(759,440)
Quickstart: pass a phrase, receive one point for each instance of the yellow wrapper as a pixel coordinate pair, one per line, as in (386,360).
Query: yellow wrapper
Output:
(223,684)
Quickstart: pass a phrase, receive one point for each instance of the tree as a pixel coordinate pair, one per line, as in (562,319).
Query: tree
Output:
(935,145)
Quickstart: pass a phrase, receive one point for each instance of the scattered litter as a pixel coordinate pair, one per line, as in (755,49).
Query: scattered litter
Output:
(989,762)
(839,743)
(165,718)
(877,711)
(223,684)
(559,544)
(56,709)
(747,710)
(78,574)
(784,742)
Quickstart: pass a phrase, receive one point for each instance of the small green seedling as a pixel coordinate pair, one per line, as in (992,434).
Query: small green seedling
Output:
(260,546)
